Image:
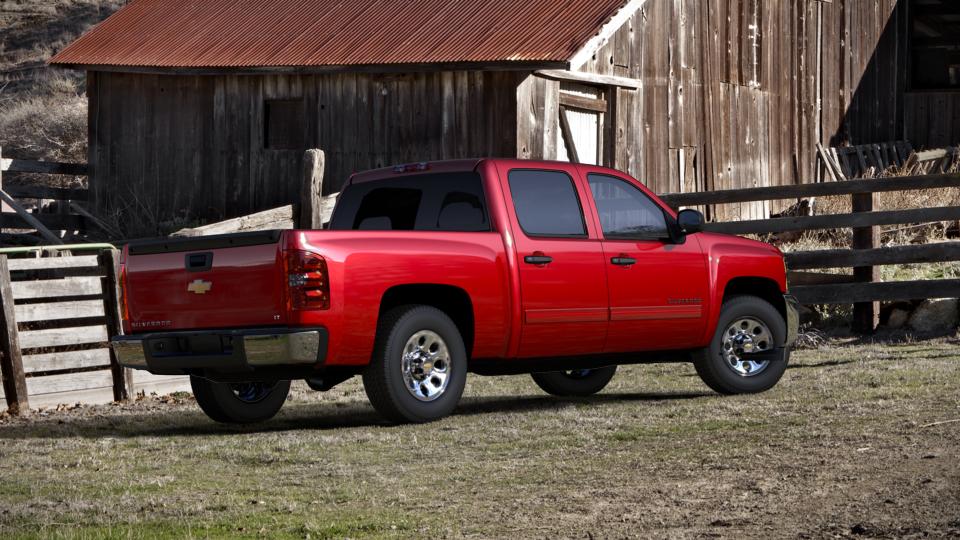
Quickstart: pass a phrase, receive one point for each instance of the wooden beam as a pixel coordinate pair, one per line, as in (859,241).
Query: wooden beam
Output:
(590,78)
(110,262)
(59,361)
(823,189)
(327,205)
(833,169)
(52,222)
(311,190)
(55,288)
(567,135)
(43,167)
(43,192)
(3,207)
(838,221)
(275,218)
(28,218)
(817,278)
(57,337)
(571,101)
(866,315)
(95,220)
(851,293)
(11,361)
(845,258)
(46,263)
(59,311)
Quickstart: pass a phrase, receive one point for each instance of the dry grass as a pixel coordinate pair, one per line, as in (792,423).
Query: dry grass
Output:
(839,448)
(43,110)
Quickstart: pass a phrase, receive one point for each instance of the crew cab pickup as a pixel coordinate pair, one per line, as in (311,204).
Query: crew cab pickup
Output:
(433,270)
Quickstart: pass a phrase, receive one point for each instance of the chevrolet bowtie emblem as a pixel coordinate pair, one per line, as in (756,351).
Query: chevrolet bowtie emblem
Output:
(199,286)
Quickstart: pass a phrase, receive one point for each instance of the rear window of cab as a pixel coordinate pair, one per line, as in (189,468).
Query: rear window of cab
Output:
(452,201)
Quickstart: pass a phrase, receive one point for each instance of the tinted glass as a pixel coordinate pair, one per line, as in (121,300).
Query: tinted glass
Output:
(546,203)
(625,211)
(423,202)
(386,208)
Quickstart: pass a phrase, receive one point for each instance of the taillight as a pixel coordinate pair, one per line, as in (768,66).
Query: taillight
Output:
(308,286)
(124,307)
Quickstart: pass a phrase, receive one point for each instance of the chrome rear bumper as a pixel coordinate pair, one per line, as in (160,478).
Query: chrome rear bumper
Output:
(220,350)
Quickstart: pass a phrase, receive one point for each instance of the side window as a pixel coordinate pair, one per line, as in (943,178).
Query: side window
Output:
(546,203)
(388,209)
(625,211)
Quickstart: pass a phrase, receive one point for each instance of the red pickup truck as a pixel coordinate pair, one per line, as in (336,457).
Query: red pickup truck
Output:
(432,270)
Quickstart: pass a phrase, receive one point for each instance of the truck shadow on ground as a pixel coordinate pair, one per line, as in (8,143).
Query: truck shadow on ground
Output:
(188,420)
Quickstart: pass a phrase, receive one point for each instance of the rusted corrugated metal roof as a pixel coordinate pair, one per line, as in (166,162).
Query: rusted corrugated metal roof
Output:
(279,33)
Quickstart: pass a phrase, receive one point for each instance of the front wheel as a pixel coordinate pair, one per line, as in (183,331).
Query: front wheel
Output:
(239,403)
(577,382)
(747,354)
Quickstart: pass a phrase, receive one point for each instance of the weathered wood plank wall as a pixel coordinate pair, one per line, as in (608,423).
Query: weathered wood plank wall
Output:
(737,93)
(168,148)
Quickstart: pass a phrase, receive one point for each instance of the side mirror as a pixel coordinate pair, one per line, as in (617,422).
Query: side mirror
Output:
(690,221)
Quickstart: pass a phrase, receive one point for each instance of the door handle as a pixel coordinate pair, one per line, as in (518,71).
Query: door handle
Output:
(538,258)
(623,260)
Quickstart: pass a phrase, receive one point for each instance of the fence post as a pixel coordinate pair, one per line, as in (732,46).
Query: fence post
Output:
(110,263)
(866,315)
(311,190)
(11,361)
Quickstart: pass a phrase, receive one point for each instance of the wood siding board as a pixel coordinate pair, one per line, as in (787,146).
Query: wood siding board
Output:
(36,363)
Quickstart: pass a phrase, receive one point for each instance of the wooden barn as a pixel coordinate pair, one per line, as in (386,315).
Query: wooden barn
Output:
(202,110)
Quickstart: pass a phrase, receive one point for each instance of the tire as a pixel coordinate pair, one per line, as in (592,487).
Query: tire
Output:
(239,403)
(578,382)
(419,366)
(740,319)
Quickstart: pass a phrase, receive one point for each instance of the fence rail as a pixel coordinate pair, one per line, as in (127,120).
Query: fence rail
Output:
(70,216)
(863,289)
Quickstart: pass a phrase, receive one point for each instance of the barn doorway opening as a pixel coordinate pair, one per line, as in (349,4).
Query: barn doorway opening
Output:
(583,117)
(934,45)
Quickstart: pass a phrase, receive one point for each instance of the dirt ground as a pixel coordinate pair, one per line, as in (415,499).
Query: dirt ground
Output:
(856,442)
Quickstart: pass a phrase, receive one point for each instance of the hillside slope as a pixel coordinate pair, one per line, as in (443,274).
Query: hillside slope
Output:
(43,110)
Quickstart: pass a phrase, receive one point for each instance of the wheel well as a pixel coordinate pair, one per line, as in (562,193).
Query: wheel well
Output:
(453,301)
(764,288)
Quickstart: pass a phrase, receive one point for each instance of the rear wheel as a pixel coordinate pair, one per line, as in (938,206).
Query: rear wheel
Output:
(419,365)
(746,354)
(577,382)
(239,403)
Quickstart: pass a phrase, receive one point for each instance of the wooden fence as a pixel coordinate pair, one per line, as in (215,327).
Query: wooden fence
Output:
(70,216)
(863,288)
(58,314)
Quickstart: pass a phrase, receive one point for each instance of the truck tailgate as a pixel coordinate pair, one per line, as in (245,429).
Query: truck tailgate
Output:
(206,282)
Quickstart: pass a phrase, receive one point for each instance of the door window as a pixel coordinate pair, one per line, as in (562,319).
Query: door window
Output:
(626,213)
(546,203)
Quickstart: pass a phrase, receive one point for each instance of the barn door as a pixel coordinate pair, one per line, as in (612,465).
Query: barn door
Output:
(583,116)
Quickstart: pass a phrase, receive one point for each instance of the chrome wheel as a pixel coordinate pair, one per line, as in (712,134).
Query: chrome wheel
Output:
(744,337)
(252,392)
(426,365)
